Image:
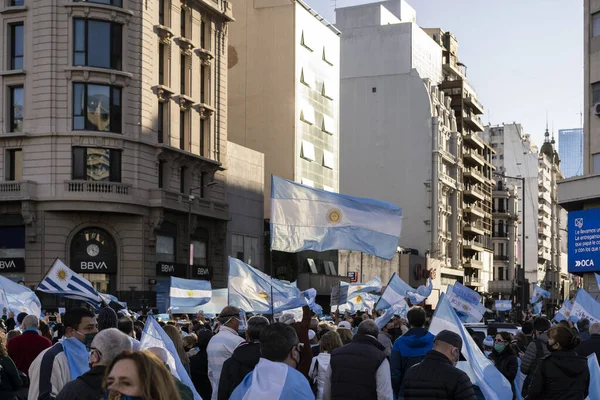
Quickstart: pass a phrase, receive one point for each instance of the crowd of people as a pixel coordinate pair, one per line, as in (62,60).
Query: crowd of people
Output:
(88,355)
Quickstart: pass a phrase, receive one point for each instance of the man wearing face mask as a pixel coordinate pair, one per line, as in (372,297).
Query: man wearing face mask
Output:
(436,376)
(276,375)
(105,347)
(66,360)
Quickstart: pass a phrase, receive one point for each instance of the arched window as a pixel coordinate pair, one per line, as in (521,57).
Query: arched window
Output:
(93,253)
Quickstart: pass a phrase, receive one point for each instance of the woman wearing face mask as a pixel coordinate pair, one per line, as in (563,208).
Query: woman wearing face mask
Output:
(139,375)
(504,357)
(563,375)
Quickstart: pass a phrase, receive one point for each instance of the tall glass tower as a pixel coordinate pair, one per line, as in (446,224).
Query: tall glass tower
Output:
(570,150)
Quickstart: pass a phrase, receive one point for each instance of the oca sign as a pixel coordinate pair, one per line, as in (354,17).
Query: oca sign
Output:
(584,240)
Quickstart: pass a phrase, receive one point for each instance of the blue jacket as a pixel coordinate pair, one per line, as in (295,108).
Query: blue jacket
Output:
(409,349)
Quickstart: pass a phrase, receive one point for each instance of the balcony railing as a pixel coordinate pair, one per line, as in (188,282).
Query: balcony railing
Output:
(475,208)
(470,280)
(500,234)
(448,180)
(473,154)
(475,173)
(500,257)
(504,286)
(97,187)
(17,190)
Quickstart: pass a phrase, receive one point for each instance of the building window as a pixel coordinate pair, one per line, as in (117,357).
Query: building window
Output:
(16,94)
(182,186)
(200,253)
(305,41)
(184,130)
(96,107)
(325,57)
(17,3)
(184,22)
(13,165)
(203,34)
(16,33)
(116,3)
(596,24)
(307,114)
(186,72)
(328,159)
(308,151)
(164,12)
(328,125)
(161,121)
(161,171)
(307,78)
(595,92)
(97,44)
(203,138)
(202,84)
(164,57)
(596,162)
(96,164)
(165,248)
(245,248)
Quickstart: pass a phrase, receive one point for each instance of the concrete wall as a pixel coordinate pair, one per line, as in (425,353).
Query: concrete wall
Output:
(245,194)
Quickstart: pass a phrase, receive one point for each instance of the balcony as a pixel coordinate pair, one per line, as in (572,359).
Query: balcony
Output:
(501,213)
(447,156)
(472,245)
(472,263)
(473,121)
(474,210)
(320,282)
(500,235)
(473,281)
(544,210)
(17,190)
(474,191)
(474,139)
(544,231)
(92,191)
(474,104)
(501,257)
(502,287)
(447,180)
(473,156)
(474,174)
(179,202)
(476,228)
(545,196)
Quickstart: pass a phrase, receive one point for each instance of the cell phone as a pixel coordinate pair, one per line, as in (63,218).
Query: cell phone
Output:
(52,318)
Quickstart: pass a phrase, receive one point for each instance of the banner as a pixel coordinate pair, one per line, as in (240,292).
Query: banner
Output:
(339,295)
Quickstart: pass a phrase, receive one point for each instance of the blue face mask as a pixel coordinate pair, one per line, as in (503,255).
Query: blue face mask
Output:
(121,396)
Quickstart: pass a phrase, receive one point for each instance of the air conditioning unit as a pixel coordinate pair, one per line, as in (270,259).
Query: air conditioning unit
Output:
(597,109)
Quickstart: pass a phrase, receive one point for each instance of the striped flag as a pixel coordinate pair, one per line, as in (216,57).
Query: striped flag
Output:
(62,281)
(187,295)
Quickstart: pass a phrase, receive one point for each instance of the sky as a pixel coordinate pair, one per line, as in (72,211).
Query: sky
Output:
(524,57)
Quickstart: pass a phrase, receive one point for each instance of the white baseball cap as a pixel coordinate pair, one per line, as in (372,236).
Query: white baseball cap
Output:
(345,324)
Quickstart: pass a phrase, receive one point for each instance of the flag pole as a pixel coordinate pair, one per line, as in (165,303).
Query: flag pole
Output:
(46,274)
(272,305)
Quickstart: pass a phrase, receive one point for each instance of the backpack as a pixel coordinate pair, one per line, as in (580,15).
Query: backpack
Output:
(314,381)
(539,354)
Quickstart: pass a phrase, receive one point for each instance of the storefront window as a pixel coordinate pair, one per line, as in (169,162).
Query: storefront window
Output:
(165,248)
(245,248)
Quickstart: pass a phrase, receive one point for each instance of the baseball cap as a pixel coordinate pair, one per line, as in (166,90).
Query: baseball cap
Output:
(345,324)
(451,338)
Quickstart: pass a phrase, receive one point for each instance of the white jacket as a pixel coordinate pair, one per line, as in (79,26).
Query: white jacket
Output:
(324,359)
(219,349)
(48,373)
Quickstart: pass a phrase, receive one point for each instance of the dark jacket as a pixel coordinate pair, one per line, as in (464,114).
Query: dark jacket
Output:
(25,348)
(10,381)
(589,346)
(535,352)
(185,393)
(407,351)
(199,366)
(302,328)
(354,368)
(242,361)
(564,375)
(584,335)
(436,378)
(87,387)
(507,363)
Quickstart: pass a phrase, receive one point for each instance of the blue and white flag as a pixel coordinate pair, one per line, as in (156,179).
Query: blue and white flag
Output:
(187,295)
(311,295)
(594,387)
(18,298)
(492,383)
(585,306)
(399,309)
(155,336)
(503,305)
(597,279)
(564,313)
(537,308)
(466,302)
(303,218)
(250,290)
(422,293)
(359,302)
(217,303)
(538,293)
(62,281)
(108,298)
(395,291)
(373,285)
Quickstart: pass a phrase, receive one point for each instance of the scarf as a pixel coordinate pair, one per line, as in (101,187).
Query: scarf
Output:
(77,356)
(268,380)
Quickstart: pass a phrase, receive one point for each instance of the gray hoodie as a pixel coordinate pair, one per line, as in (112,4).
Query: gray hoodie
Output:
(531,357)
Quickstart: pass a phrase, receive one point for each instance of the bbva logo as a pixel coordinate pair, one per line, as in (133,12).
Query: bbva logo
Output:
(7,264)
(584,263)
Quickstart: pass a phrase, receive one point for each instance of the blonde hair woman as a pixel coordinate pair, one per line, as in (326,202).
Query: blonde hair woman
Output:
(329,342)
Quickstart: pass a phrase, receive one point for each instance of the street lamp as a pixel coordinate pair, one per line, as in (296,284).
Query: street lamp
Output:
(191,198)
(522,272)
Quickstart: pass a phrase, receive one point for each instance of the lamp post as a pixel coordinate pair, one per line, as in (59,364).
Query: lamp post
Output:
(520,273)
(191,198)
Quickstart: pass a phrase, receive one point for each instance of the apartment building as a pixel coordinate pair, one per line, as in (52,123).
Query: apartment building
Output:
(476,247)
(570,151)
(113,142)
(411,154)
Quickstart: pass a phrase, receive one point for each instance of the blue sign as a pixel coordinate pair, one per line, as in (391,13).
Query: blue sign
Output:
(584,240)
(163,285)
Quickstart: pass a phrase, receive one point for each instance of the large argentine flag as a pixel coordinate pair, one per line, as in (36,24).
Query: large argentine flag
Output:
(187,295)
(491,382)
(61,281)
(304,218)
(585,306)
(466,302)
(18,298)
(374,285)
(395,292)
(538,293)
(250,290)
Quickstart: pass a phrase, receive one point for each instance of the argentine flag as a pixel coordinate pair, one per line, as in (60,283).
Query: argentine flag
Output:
(61,281)
(303,218)
(359,302)
(250,290)
(485,375)
(585,306)
(187,295)
(397,290)
(538,293)
(503,305)
(373,285)
(155,336)
(18,298)
(565,311)
(466,302)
